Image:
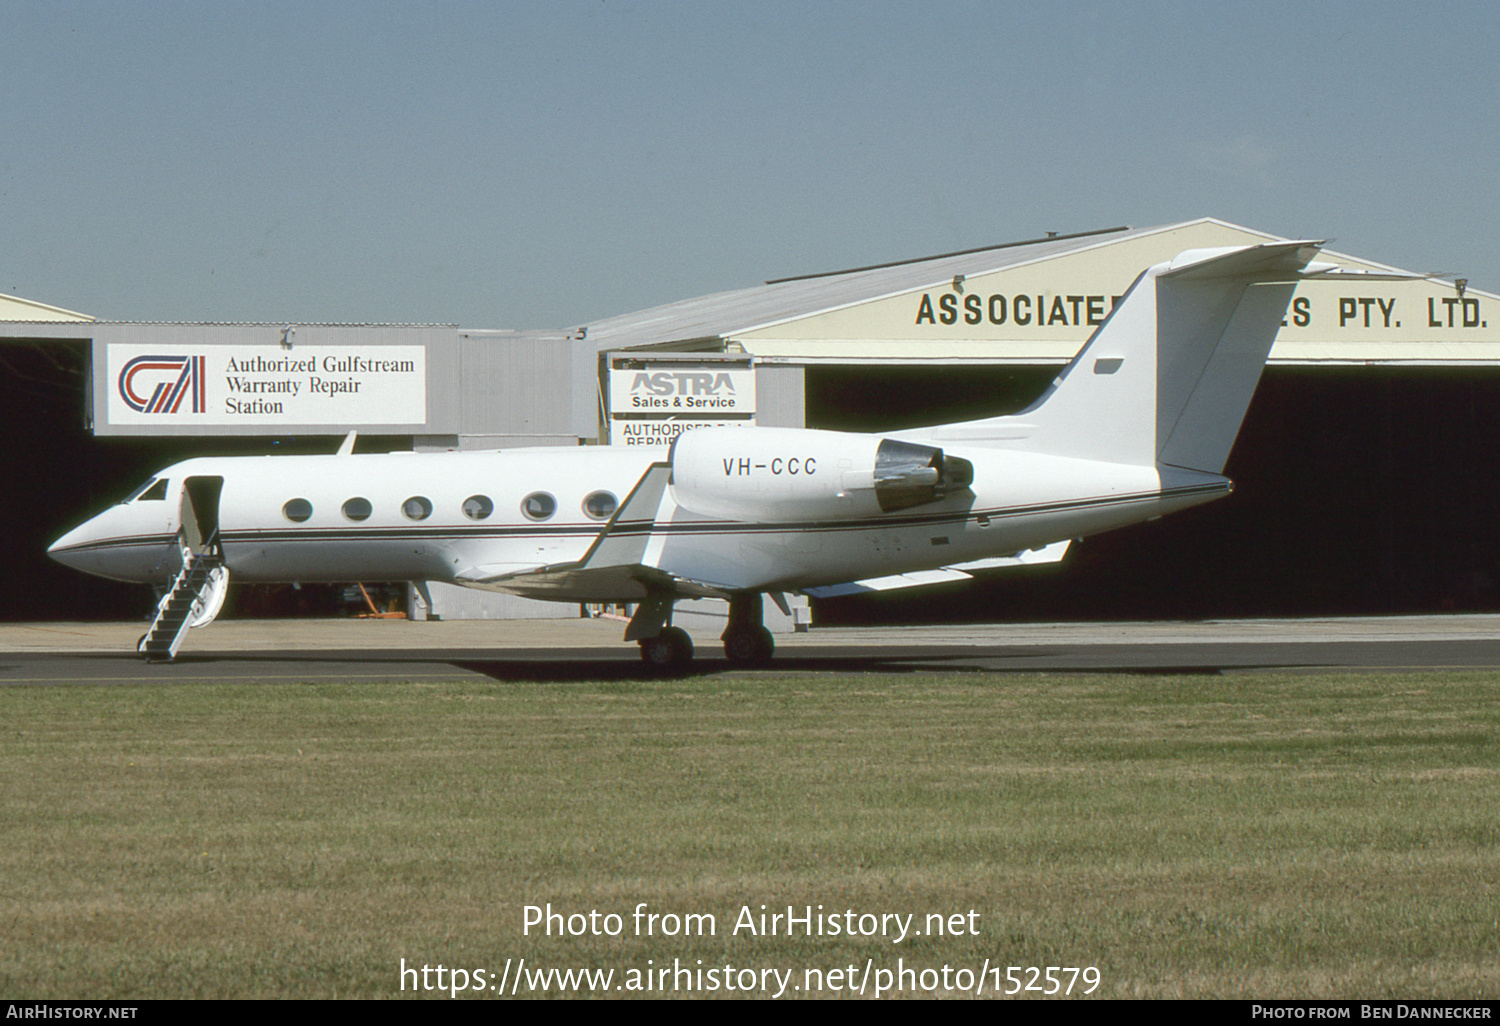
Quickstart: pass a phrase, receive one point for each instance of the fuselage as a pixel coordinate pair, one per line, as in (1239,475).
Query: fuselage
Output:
(488,518)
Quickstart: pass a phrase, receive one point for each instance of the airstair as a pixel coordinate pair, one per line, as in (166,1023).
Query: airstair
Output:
(193,600)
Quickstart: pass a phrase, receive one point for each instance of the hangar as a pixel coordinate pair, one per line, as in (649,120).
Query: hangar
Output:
(1363,470)
(1363,467)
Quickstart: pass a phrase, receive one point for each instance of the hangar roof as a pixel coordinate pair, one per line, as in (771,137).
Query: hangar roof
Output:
(1038,300)
(715,317)
(14,308)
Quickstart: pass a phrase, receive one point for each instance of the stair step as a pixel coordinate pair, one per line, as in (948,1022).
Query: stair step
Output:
(172,617)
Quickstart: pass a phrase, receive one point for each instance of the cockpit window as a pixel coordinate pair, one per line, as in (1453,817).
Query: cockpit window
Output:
(154,489)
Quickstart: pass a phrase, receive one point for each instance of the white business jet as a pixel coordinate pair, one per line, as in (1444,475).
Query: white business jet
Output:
(1138,425)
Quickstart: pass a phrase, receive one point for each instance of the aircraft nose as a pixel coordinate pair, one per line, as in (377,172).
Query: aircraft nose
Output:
(73,549)
(122,543)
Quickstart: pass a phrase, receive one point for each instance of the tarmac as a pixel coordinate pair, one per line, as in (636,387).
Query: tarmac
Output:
(357,634)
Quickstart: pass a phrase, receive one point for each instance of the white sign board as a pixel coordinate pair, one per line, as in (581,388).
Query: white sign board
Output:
(259,386)
(675,390)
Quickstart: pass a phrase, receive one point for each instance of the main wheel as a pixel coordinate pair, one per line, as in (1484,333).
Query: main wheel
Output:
(752,646)
(670,650)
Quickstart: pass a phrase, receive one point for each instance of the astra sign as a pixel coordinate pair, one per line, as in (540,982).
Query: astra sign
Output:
(674,389)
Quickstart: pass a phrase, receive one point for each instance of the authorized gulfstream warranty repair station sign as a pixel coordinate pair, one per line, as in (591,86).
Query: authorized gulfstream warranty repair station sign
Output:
(181,387)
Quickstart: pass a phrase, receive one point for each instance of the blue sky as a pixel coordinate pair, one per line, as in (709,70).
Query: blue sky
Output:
(541,165)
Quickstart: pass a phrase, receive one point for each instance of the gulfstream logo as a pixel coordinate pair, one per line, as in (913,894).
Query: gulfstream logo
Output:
(161,384)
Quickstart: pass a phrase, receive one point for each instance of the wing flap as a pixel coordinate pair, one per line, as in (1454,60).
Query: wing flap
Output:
(487,573)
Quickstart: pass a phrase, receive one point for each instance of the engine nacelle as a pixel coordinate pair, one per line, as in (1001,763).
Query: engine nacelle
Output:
(782,475)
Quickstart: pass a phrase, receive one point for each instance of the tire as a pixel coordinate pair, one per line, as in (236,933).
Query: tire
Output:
(752,647)
(670,651)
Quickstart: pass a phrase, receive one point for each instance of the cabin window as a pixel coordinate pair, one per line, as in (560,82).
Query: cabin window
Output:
(156,489)
(478,507)
(357,509)
(417,508)
(539,506)
(600,505)
(297,510)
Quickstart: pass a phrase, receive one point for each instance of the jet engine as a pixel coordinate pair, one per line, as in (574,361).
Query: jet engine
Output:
(782,475)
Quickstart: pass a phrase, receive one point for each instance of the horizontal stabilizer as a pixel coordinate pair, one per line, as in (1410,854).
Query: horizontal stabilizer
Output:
(1320,271)
(957,572)
(1046,554)
(915,579)
(1269,261)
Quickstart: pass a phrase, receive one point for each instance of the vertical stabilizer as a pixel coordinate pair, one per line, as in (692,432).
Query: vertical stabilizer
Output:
(1166,379)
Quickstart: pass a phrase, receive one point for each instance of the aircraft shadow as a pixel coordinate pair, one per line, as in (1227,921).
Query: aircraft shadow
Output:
(545,666)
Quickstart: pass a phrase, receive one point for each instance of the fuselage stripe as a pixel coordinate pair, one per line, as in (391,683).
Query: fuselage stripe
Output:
(635,528)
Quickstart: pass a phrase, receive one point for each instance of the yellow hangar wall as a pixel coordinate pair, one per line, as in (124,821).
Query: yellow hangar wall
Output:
(1042,311)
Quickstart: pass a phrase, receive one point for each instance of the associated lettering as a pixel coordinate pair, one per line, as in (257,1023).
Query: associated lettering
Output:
(1065,310)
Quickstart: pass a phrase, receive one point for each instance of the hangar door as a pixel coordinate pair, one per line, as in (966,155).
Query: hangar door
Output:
(1358,490)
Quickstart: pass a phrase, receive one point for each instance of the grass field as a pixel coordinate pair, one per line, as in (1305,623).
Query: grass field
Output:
(1237,836)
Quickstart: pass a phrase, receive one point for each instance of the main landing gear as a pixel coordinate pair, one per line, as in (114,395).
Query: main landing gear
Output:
(746,640)
(669,651)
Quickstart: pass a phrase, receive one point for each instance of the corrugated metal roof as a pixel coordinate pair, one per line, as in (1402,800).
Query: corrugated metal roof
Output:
(706,320)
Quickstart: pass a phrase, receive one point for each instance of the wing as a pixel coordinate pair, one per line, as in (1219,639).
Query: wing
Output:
(614,569)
